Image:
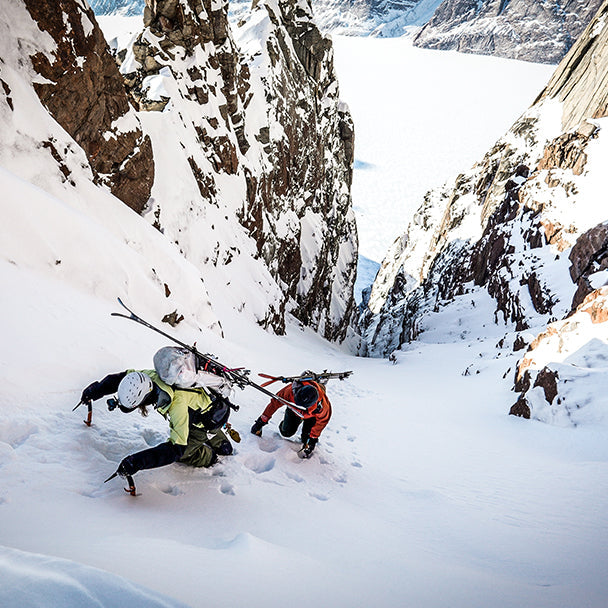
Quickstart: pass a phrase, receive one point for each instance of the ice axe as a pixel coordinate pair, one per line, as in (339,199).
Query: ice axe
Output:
(131,489)
(89,405)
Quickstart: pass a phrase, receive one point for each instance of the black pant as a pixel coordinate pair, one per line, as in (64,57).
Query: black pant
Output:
(292,421)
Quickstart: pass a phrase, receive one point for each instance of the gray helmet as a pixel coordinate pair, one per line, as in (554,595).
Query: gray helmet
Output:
(133,389)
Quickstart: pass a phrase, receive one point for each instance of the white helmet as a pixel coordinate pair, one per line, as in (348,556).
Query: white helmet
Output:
(133,389)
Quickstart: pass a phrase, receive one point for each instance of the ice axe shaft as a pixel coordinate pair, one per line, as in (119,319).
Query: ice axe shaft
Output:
(89,405)
(131,489)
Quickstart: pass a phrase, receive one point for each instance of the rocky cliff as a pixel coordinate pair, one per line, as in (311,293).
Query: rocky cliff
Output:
(529,30)
(99,118)
(240,155)
(526,226)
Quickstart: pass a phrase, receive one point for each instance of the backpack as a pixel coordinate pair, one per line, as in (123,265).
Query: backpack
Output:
(178,367)
(216,415)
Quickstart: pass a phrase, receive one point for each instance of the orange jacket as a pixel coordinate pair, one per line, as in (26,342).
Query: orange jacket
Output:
(321,418)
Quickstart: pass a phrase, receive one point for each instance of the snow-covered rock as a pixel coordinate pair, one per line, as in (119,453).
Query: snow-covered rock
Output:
(118,7)
(526,225)
(563,377)
(240,158)
(519,29)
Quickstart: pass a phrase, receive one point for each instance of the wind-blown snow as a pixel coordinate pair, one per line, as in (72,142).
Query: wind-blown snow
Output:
(37,580)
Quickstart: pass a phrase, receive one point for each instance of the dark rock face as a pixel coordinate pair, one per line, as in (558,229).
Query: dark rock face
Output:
(589,255)
(316,125)
(461,238)
(518,229)
(542,32)
(86,97)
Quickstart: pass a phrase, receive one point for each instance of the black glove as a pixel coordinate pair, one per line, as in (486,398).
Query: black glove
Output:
(256,429)
(224,448)
(100,389)
(90,393)
(127,467)
(308,448)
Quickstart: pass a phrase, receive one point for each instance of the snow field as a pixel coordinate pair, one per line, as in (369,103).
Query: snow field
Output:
(421,117)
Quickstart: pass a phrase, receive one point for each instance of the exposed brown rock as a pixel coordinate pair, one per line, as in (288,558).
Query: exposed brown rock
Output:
(86,96)
(519,344)
(589,255)
(520,408)
(173,318)
(566,152)
(595,305)
(547,380)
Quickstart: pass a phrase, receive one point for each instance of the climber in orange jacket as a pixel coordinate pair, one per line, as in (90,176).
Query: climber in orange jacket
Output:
(310,405)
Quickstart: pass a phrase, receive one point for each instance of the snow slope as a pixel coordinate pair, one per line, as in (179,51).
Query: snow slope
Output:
(422,491)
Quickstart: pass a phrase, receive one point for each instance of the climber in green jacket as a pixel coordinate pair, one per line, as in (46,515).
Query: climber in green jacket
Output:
(195,419)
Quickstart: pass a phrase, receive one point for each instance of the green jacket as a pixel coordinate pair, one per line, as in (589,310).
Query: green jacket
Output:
(176,411)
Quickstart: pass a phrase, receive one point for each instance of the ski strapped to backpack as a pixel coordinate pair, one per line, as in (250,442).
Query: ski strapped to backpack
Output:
(307,376)
(237,376)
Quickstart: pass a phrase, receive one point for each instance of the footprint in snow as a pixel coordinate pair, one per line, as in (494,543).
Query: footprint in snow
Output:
(341,478)
(260,463)
(269,445)
(227,489)
(356,464)
(172,490)
(295,477)
(321,497)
